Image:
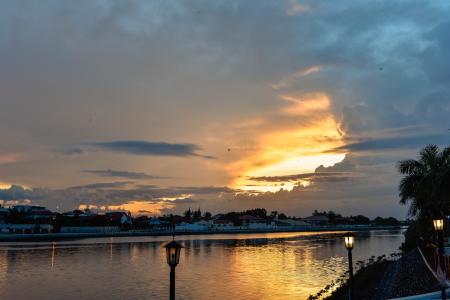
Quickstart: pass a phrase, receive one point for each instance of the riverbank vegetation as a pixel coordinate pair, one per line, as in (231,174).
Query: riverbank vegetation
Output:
(425,187)
(29,214)
(368,274)
(398,275)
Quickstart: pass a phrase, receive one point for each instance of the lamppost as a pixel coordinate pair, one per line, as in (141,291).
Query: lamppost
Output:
(349,239)
(439,228)
(173,250)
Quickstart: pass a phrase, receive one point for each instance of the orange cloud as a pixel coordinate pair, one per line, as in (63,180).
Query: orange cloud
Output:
(8,158)
(306,104)
(292,147)
(288,80)
(136,207)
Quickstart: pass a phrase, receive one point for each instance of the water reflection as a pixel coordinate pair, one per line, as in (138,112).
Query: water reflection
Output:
(53,254)
(258,266)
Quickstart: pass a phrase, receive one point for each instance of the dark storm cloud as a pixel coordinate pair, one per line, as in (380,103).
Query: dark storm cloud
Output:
(189,189)
(150,148)
(123,174)
(71,70)
(394,143)
(108,193)
(323,176)
(16,192)
(103,185)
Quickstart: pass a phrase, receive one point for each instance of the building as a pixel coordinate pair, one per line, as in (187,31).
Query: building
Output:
(39,214)
(217,216)
(154,222)
(4,212)
(317,220)
(197,226)
(295,223)
(120,217)
(27,208)
(251,221)
(222,225)
(90,229)
(25,228)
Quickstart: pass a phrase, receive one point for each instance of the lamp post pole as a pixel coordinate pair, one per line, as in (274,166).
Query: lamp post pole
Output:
(172,283)
(439,227)
(441,259)
(350,276)
(173,250)
(349,239)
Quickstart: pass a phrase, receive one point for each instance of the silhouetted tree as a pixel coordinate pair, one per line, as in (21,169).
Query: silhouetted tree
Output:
(207,216)
(360,219)
(197,215)
(273,214)
(426,184)
(426,188)
(188,214)
(282,216)
(257,212)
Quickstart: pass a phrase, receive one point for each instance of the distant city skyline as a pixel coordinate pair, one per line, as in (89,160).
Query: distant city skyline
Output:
(227,105)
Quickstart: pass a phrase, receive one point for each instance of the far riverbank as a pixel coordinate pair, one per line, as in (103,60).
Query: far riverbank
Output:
(130,233)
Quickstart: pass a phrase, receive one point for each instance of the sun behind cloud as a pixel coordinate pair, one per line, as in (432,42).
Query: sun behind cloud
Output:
(297,148)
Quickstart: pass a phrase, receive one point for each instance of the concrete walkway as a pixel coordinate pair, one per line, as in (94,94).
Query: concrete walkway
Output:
(428,296)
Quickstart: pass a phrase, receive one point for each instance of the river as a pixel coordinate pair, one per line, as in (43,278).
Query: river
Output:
(224,266)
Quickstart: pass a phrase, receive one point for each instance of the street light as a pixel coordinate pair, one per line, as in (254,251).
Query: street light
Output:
(439,228)
(349,239)
(438,224)
(173,250)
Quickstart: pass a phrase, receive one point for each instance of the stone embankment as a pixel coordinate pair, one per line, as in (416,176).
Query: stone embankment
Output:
(406,277)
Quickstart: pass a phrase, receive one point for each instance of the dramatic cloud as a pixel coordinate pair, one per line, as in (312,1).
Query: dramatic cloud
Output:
(102,185)
(113,195)
(274,90)
(150,148)
(393,143)
(326,176)
(122,174)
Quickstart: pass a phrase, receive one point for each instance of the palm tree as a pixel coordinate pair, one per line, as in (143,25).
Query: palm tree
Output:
(426,184)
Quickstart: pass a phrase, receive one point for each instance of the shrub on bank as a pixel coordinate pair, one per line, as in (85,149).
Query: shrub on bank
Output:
(368,275)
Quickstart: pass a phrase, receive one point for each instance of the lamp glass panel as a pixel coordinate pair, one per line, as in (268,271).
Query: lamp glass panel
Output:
(438,224)
(173,256)
(349,242)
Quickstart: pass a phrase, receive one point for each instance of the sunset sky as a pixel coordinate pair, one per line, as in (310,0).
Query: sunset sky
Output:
(158,106)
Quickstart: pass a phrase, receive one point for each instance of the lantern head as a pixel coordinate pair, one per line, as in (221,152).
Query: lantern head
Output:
(349,239)
(438,224)
(173,250)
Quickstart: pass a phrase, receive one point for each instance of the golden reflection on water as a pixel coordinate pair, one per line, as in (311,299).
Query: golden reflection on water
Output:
(239,267)
(110,248)
(53,255)
(280,272)
(3,266)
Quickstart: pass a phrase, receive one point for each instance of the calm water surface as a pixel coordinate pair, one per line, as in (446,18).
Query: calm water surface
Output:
(234,266)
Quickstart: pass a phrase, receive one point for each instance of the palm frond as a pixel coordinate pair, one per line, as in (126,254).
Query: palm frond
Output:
(410,166)
(429,156)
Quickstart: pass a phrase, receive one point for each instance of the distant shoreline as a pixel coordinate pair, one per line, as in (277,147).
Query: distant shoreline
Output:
(76,236)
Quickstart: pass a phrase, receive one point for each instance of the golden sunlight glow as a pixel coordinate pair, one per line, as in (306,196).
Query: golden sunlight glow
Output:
(181,196)
(305,104)
(300,147)
(139,207)
(5,186)
(288,80)
(296,165)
